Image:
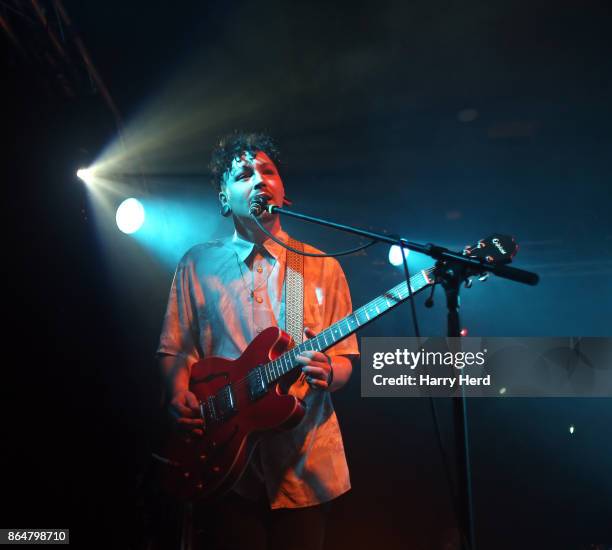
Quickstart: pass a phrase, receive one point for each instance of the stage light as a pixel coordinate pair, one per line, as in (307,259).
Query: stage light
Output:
(86,174)
(395,255)
(130,216)
(572,429)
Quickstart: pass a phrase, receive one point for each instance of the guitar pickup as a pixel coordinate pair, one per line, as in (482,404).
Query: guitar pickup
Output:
(256,383)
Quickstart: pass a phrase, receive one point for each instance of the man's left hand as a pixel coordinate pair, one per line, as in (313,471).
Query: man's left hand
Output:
(317,366)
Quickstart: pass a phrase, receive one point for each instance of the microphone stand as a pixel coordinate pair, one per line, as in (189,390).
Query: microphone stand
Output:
(443,255)
(453,269)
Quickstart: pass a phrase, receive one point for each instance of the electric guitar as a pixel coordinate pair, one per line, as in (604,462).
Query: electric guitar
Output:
(241,399)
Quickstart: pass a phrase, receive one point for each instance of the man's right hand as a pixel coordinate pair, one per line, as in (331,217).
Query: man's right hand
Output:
(184,408)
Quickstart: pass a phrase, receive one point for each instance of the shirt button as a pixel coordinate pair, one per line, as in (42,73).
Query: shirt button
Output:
(259,269)
(258,330)
(258,299)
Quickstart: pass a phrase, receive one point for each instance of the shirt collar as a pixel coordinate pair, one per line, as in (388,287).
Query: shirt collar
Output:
(244,248)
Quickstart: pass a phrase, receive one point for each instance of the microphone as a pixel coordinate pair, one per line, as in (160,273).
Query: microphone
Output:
(257,205)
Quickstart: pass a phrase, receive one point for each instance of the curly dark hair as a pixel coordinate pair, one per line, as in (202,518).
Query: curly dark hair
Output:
(233,146)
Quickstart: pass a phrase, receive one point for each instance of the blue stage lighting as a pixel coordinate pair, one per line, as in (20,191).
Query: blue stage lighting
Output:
(395,255)
(130,216)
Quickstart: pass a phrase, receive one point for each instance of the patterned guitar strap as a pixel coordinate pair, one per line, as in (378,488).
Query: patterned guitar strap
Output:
(294,297)
(294,292)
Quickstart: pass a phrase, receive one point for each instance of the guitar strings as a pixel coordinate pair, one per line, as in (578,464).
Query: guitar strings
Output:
(380,300)
(377,301)
(374,303)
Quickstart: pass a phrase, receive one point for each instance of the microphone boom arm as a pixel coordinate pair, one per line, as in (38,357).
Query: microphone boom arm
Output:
(431,250)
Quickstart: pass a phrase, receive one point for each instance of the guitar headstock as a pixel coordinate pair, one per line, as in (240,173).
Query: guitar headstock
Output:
(495,249)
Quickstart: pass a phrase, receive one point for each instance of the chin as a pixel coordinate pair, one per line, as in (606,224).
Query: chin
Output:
(266,217)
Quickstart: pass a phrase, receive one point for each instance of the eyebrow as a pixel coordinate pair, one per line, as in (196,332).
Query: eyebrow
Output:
(249,166)
(241,168)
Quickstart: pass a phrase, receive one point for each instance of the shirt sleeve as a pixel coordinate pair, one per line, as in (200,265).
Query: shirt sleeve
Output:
(179,334)
(337,306)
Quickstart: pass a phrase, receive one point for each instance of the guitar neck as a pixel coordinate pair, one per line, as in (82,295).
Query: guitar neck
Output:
(351,323)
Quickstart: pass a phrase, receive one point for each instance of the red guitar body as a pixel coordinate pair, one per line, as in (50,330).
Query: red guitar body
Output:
(203,467)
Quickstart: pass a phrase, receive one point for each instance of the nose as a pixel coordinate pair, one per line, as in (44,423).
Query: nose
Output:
(258,181)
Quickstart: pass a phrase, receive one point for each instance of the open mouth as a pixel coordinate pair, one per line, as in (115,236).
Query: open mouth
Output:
(261,196)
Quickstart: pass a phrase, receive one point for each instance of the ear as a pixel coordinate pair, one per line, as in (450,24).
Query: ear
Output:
(226,209)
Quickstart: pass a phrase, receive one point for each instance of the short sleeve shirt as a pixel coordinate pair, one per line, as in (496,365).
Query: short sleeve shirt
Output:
(223,294)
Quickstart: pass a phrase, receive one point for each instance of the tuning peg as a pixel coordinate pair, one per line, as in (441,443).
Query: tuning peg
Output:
(483,277)
(468,283)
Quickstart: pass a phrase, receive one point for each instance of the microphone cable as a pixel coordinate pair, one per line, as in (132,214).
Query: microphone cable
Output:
(314,255)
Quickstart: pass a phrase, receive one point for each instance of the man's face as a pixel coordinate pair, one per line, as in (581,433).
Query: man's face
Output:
(248,177)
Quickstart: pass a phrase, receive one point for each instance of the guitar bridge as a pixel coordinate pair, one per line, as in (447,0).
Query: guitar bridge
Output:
(225,402)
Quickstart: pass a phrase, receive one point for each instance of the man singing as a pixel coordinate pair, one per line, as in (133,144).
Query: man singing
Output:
(223,294)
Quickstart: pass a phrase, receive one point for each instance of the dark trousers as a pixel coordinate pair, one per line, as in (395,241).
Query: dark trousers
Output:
(236,523)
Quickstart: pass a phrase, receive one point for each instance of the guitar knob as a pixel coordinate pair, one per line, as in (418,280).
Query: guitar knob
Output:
(216,469)
(187,475)
(203,457)
(468,283)
(484,277)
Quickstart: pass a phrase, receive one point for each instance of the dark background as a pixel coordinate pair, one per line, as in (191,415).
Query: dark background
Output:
(368,104)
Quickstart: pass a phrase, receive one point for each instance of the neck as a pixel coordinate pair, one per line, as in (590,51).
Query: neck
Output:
(248,230)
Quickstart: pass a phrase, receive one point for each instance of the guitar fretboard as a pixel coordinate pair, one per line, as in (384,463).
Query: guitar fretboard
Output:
(342,329)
